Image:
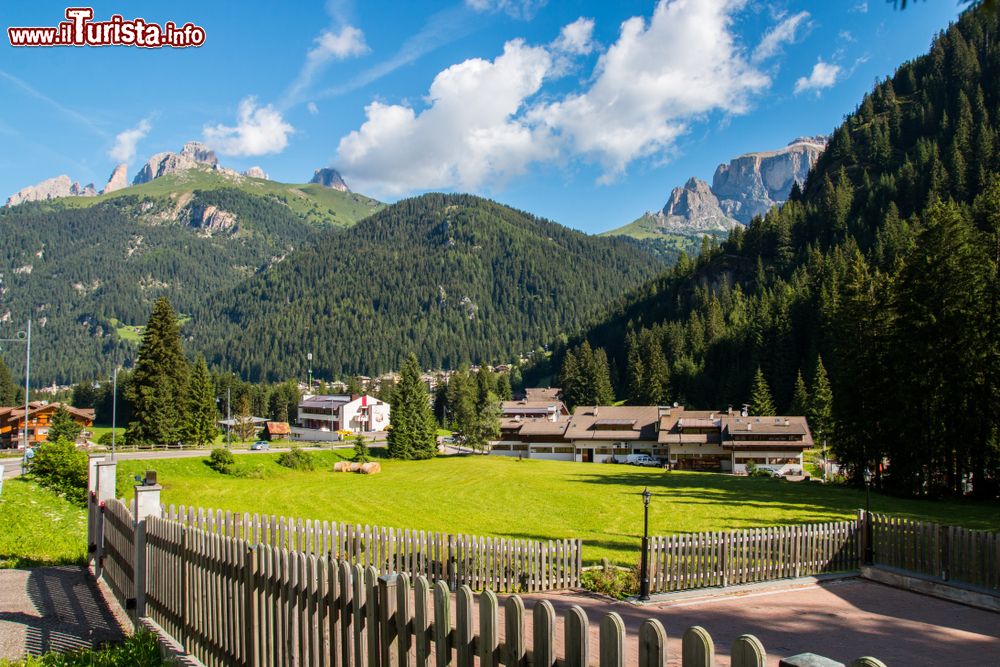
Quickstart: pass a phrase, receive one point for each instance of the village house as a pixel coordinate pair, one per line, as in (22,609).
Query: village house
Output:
(329,417)
(39,419)
(718,441)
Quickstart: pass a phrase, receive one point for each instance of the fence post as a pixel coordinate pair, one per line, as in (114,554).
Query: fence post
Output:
(93,508)
(147,504)
(451,565)
(463,627)
(653,645)
(388,621)
(862,536)
(697,648)
(489,630)
(577,631)
(106,480)
(747,651)
(513,612)
(442,624)
(612,636)
(250,610)
(544,646)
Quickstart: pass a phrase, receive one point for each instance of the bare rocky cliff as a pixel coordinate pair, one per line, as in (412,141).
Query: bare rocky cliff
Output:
(193,154)
(52,188)
(330,178)
(118,179)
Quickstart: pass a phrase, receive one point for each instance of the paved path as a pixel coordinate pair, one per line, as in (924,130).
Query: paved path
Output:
(841,620)
(52,608)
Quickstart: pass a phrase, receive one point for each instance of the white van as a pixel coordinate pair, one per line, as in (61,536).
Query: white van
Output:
(642,460)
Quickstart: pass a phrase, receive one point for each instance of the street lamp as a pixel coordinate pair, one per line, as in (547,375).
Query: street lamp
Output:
(869,551)
(644,574)
(24,337)
(309,358)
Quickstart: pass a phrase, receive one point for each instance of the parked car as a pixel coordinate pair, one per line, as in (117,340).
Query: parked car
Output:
(642,460)
(260,446)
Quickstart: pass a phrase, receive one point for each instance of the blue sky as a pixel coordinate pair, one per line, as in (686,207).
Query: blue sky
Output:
(583,112)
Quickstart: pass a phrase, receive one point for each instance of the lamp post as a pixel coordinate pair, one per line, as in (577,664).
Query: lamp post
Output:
(309,358)
(229,411)
(644,567)
(114,409)
(869,552)
(24,337)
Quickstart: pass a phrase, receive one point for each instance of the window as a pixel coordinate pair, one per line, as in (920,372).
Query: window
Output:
(501,448)
(563,450)
(541,450)
(604,451)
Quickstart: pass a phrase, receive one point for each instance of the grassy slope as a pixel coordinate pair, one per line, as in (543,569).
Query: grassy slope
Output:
(312,202)
(496,496)
(25,508)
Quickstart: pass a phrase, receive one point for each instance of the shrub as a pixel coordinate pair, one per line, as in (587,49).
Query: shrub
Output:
(221,460)
(139,650)
(611,580)
(297,459)
(61,467)
(63,426)
(105,439)
(361,451)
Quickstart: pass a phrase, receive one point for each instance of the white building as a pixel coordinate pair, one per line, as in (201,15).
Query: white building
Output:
(326,418)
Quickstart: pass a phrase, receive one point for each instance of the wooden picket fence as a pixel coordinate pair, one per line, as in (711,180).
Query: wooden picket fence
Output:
(500,564)
(696,560)
(228,602)
(118,556)
(949,553)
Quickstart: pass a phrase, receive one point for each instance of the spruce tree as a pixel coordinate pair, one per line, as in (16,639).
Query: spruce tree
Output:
(569,379)
(413,433)
(800,398)
(600,379)
(201,411)
(244,428)
(8,390)
(63,427)
(158,385)
(761,402)
(657,373)
(820,412)
(635,370)
(361,451)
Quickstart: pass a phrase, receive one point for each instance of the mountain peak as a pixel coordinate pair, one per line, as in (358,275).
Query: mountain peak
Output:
(330,178)
(118,179)
(193,154)
(51,188)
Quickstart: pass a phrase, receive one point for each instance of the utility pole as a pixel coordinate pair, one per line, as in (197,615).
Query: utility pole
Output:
(309,358)
(229,411)
(114,409)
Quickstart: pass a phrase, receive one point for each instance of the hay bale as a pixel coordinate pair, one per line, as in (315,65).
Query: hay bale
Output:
(342,466)
(371,468)
(355,467)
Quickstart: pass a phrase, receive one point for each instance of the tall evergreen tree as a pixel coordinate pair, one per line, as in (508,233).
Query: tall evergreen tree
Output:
(413,433)
(820,411)
(761,402)
(657,373)
(635,370)
(244,428)
(158,385)
(8,390)
(201,410)
(63,427)
(800,397)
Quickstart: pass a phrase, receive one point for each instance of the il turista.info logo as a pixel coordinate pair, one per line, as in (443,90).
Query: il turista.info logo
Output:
(79,29)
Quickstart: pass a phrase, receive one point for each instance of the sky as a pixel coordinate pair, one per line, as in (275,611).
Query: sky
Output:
(585,113)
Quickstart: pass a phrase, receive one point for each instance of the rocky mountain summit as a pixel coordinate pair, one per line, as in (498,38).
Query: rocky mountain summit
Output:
(193,154)
(256,172)
(330,178)
(52,188)
(118,179)
(746,186)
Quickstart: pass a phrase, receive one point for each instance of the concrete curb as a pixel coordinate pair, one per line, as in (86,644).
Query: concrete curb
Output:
(971,596)
(743,589)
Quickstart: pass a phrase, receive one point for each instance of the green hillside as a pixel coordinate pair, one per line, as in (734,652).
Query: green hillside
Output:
(452,277)
(312,202)
(885,265)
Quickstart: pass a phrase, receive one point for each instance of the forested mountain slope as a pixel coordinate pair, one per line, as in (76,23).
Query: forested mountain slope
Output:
(453,278)
(884,265)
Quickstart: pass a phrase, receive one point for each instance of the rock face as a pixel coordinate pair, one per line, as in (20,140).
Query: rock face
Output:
(330,178)
(748,185)
(693,208)
(60,186)
(256,172)
(118,179)
(751,184)
(194,153)
(211,219)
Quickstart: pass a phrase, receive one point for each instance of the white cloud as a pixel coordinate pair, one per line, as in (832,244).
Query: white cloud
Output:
(486,121)
(783,33)
(823,75)
(467,136)
(259,130)
(576,38)
(655,80)
(312,108)
(329,45)
(519,9)
(860,8)
(125,142)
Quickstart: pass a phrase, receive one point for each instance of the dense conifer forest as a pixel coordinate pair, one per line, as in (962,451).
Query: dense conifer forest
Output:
(884,265)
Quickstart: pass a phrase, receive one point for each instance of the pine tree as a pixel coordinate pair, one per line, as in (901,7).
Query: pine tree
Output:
(244,428)
(635,369)
(201,411)
(657,374)
(159,382)
(761,402)
(600,379)
(63,427)
(361,451)
(504,391)
(800,397)
(569,379)
(820,410)
(413,433)
(8,390)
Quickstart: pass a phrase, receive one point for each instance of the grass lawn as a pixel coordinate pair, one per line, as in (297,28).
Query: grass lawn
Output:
(499,496)
(37,527)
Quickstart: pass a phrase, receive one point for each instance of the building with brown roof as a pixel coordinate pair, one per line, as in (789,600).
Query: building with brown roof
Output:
(39,419)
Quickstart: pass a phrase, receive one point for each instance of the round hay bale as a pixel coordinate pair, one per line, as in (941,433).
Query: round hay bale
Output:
(371,468)
(342,466)
(355,467)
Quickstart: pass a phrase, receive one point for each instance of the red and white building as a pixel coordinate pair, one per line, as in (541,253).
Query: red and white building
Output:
(331,417)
